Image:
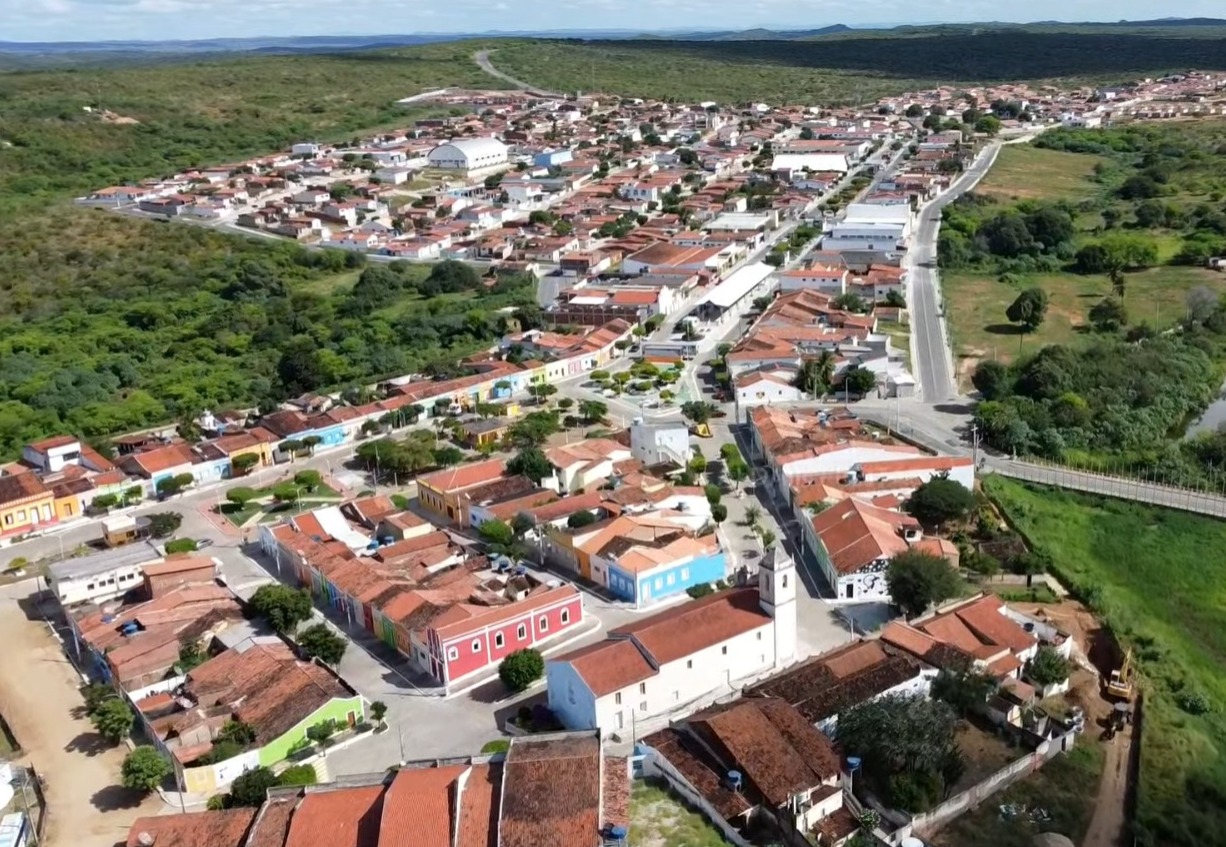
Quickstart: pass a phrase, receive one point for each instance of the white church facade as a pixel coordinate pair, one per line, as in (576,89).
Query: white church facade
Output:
(681,659)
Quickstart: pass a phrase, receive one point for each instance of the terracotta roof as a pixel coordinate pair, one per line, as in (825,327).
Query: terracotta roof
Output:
(692,762)
(178,564)
(609,666)
(551,792)
(463,477)
(479,807)
(779,752)
(418,806)
(272,823)
(686,629)
(14,487)
(856,534)
(194,829)
(338,817)
(162,458)
(53,442)
(615,788)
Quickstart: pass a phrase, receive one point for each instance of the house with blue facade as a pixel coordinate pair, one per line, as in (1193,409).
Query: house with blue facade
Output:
(643,559)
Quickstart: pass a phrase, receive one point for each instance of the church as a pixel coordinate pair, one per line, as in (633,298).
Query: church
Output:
(681,659)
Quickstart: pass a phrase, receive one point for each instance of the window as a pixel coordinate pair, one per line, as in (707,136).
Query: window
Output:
(617,699)
(689,664)
(724,650)
(498,640)
(671,578)
(759,635)
(543,624)
(89,587)
(785,580)
(676,696)
(566,616)
(685,573)
(476,645)
(659,583)
(642,688)
(643,706)
(452,654)
(521,632)
(21,514)
(8,519)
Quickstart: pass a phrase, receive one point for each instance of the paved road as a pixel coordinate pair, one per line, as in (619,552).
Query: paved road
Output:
(930,348)
(482,58)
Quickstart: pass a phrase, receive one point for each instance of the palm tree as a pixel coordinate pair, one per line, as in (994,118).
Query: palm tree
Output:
(824,366)
(752,513)
(1117,282)
(768,538)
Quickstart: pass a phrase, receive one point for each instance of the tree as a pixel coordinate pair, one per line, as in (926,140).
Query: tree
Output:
(1047,667)
(251,787)
(914,110)
(767,537)
(236,732)
(987,124)
(719,513)
(738,471)
(180,545)
(104,501)
(917,580)
(964,689)
(499,536)
(244,462)
(850,302)
(522,524)
(940,500)
(95,694)
(520,669)
(322,731)
(283,607)
(190,655)
(992,380)
(310,480)
(320,642)
(714,495)
(162,524)
(752,513)
(697,411)
(580,519)
(286,492)
(532,463)
(378,710)
(241,495)
(1108,315)
(534,429)
(298,775)
(858,380)
(816,375)
(144,769)
(1029,308)
(593,411)
(113,719)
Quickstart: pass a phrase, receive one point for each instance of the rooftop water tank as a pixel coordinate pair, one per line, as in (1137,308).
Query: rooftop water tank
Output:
(735,780)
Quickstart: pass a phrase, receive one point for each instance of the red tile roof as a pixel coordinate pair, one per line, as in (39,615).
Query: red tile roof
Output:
(338,817)
(464,476)
(551,792)
(194,829)
(479,807)
(609,666)
(686,629)
(418,806)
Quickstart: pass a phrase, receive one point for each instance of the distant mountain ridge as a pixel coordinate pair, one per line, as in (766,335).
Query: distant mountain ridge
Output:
(326,43)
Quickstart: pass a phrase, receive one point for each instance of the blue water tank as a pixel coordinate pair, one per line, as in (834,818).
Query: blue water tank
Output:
(853,763)
(735,780)
(619,832)
(130,629)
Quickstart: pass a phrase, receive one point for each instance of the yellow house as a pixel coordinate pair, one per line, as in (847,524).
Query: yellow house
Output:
(242,444)
(26,504)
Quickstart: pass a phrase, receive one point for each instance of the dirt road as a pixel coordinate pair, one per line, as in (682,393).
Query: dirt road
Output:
(39,698)
(1107,825)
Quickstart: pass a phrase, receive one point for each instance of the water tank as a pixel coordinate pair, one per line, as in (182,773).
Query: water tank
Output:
(145,839)
(619,832)
(911,841)
(130,628)
(853,763)
(735,780)
(108,618)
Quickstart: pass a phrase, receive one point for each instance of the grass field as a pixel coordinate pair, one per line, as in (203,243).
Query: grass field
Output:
(977,304)
(658,819)
(1156,577)
(1023,172)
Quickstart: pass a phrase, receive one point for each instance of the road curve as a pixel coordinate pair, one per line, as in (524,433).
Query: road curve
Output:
(482,58)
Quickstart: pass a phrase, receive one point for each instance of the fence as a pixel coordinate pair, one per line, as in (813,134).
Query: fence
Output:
(1003,778)
(1206,500)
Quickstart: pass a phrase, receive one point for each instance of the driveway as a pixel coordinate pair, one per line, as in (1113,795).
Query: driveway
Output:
(39,697)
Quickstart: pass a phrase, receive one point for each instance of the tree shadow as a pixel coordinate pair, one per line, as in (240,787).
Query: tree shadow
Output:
(90,743)
(116,797)
(954,408)
(1005,329)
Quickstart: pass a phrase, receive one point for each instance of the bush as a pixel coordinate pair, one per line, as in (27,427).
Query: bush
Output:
(701,590)
(1193,702)
(113,719)
(144,769)
(282,606)
(180,545)
(320,642)
(522,668)
(298,775)
(1047,667)
(251,788)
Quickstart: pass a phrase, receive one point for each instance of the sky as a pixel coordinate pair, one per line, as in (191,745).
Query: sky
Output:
(110,20)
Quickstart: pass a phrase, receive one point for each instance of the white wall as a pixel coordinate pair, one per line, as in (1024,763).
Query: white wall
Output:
(765,392)
(841,460)
(101,586)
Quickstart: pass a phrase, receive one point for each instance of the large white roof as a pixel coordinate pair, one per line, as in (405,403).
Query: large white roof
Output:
(877,213)
(816,162)
(474,146)
(737,286)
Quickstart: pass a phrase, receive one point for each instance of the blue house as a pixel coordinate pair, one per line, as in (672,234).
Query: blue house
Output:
(644,574)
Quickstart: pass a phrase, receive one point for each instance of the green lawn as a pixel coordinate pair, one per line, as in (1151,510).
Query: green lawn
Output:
(1065,787)
(276,511)
(1159,579)
(658,819)
(1025,172)
(900,338)
(976,304)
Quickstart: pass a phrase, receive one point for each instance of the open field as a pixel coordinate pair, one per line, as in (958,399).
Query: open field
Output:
(658,819)
(976,305)
(1147,571)
(1024,172)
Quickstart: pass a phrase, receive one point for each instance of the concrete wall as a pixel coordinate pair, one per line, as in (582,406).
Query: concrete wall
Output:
(658,767)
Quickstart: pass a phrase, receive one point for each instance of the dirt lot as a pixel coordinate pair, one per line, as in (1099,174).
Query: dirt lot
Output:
(40,701)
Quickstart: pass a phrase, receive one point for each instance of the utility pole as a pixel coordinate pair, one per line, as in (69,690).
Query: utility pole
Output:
(975,445)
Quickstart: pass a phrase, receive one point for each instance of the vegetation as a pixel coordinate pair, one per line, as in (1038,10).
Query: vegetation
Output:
(162,524)
(1047,667)
(660,817)
(320,642)
(1145,570)
(144,769)
(521,668)
(283,607)
(112,718)
(853,67)
(918,580)
(378,710)
(298,775)
(251,788)
(180,545)
(907,746)
(939,501)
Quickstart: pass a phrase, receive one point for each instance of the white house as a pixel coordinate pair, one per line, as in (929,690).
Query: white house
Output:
(469,154)
(656,444)
(681,658)
(827,279)
(101,576)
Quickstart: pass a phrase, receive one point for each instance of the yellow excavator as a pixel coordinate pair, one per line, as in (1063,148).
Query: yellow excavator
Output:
(1120,683)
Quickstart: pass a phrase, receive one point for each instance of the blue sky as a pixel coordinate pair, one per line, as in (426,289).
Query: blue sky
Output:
(96,20)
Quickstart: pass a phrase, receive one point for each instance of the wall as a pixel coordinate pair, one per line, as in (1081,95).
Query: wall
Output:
(468,660)
(208,779)
(27,516)
(655,765)
(337,709)
(99,586)
(570,698)
(674,579)
(867,584)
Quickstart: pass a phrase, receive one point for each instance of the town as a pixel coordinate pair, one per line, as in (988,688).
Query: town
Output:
(670,530)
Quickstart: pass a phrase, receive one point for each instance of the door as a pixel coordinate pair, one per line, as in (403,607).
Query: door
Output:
(851,590)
